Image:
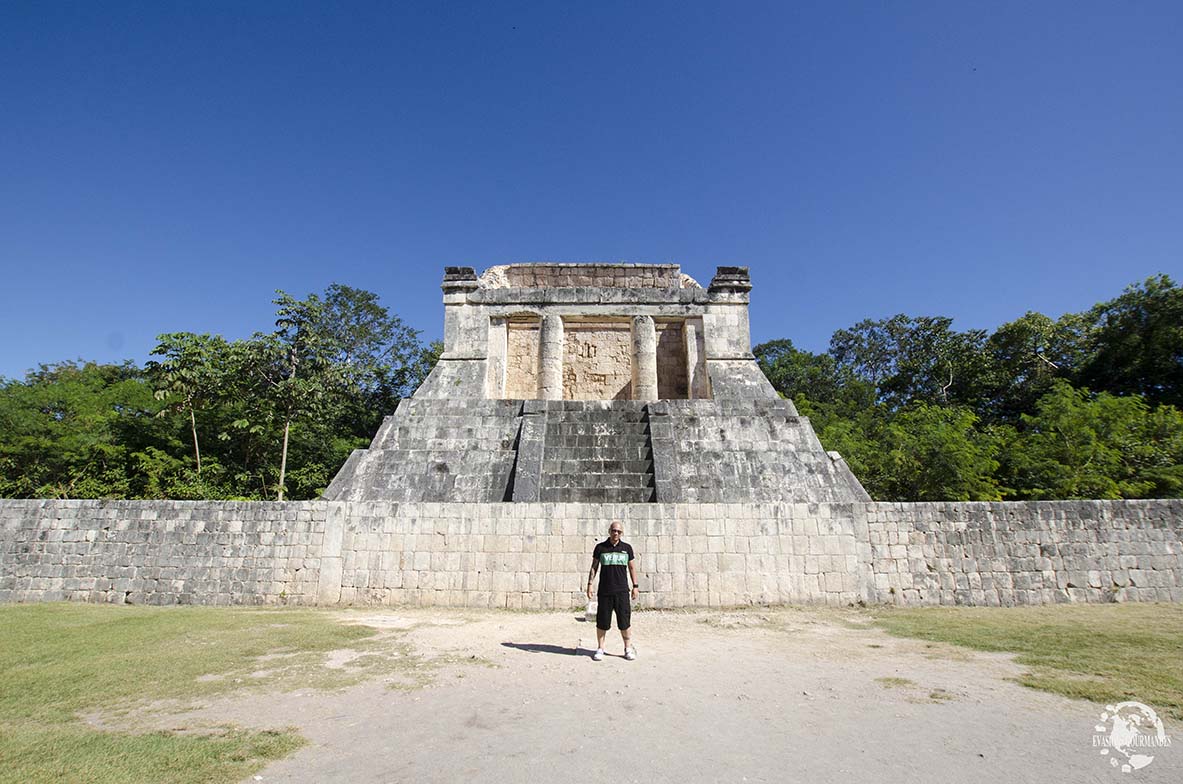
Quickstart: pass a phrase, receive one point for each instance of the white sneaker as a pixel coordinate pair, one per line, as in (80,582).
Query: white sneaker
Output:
(630,654)
(598,655)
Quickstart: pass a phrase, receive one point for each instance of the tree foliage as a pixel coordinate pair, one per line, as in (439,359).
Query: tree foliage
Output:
(1135,343)
(1083,406)
(272,416)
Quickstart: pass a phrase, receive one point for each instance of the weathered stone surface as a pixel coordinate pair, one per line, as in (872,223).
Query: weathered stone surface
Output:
(725,492)
(644,358)
(1026,553)
(550,349)
(436,449)
(535,554)
(576,333)
(597,363)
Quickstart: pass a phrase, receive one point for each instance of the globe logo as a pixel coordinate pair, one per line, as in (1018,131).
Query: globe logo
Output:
(1128,733)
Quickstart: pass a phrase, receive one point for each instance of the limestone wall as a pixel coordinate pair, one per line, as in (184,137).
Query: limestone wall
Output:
(711,357)
(161,552)
(672,380)
(623,276)
(532,555)
(535,555)
(1027,553)
(597,360)
(521,379)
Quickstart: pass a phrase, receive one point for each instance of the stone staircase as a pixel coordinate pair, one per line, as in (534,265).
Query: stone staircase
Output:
(597,452)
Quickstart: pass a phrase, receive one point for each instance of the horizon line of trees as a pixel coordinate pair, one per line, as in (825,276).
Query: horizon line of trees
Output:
(269,417)
(1084,406)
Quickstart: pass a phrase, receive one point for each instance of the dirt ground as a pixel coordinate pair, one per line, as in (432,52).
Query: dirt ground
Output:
(755,695)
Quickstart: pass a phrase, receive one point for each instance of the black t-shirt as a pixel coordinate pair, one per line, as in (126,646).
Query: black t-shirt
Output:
(613,560)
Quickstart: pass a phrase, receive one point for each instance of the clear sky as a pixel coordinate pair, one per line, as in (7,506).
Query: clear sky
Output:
(165,166)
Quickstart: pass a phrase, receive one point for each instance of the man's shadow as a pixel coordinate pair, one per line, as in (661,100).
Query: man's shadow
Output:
(535,647)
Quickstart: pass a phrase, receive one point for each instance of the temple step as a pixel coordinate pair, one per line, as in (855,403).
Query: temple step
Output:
(598,454)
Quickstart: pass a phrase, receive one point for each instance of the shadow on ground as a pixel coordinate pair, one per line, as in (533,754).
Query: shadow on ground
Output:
(535,647)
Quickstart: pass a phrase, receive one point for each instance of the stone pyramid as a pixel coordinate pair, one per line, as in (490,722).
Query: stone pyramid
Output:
(596,383)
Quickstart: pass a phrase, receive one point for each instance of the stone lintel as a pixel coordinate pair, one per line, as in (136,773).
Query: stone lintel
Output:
(594,312)
(588,295)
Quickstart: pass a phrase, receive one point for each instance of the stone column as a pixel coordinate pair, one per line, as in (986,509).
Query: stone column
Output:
(696,387)
(550,363)
(498,358)
(644,358)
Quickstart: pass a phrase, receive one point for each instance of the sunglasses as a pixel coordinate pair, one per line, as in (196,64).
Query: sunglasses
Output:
(615,531)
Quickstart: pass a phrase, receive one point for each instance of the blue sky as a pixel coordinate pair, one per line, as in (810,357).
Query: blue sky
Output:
(167,166)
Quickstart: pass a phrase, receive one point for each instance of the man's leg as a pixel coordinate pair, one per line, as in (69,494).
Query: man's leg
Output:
(624,621)
(603,624)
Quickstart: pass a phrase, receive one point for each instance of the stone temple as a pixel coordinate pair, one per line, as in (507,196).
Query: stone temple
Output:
(596,383)
(569,396)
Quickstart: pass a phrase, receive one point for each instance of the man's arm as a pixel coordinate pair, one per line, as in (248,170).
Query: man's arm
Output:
(632,574)
(595,567)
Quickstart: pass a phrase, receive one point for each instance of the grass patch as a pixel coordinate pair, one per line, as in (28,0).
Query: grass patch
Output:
(892,682)
(58,661)
(76,754)
(1099,652)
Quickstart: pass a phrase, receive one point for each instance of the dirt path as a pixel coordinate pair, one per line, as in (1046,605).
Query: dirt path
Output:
(756,695)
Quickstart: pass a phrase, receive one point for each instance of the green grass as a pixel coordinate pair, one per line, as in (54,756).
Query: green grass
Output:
(892,682)
(61,661)
(73,753)
(1100,652)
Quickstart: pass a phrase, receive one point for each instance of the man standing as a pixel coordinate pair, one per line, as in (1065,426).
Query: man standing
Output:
(616,558)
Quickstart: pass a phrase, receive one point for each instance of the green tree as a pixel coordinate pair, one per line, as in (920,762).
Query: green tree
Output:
(1025,357)
(291,380)
(334,365)
(1080,445)
(914,359)
(1136,343)
(192,373)
(70,430)
(795,372)
(856,432)
(937,453)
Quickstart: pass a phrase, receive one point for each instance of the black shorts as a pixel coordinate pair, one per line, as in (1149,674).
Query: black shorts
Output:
(608,602)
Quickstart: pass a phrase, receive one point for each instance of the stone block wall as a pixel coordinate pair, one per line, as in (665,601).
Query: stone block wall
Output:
(715,338)
(1026,553)
(161,552)
(672,378)
(521,379)
(456,449)
(597,361)
(757,450)
(536,555)
(621,276)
